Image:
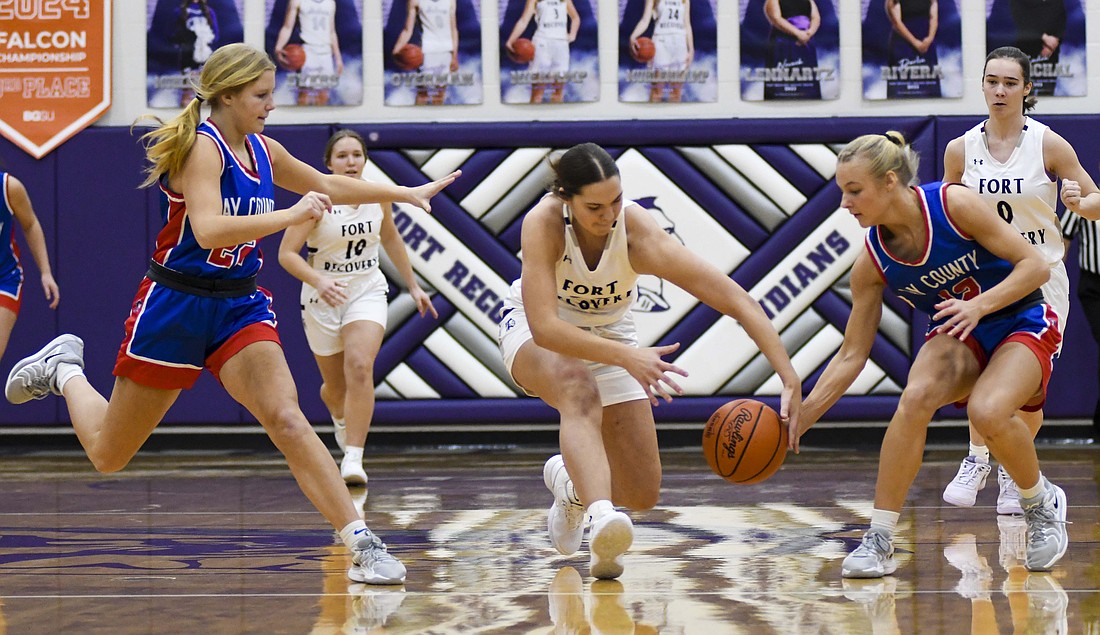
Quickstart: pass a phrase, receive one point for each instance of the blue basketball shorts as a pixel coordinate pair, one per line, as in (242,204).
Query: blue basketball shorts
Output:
(11,289)
(172,335)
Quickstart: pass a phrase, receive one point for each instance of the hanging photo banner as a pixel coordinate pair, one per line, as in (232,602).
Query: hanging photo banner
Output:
(317,46)
(789,50)
(181,35)
(912,49)
(432,52)
(549,51)
(1051,33)
(668,51)
(55,70)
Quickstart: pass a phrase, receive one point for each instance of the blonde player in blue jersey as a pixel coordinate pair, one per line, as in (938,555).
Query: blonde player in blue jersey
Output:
(557,23)
(990,343)
(317,27)
(344,298)
(1016,163)
(15,207)
(199,305)
(438,40)
(673,44)
(567,336)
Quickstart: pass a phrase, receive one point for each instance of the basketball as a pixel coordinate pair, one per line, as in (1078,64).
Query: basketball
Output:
(744,441)
(524,51)
(645,50)
(409,57)
(295,57)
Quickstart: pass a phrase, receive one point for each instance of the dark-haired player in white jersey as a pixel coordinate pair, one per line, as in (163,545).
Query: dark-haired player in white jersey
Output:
(568,337)
(557,23)
(438,40)
(1009,159)
(344,306)
(673,45)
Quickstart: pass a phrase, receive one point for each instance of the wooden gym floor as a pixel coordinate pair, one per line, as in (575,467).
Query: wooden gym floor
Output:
(219,543)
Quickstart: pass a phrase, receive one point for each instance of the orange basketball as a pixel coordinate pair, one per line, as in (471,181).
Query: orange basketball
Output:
(744,441)
(524,51)
(644,51)
(409,57)
(295,57)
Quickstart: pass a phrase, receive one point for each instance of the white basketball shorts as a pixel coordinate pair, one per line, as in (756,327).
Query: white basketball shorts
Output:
(366,301)
(614,383)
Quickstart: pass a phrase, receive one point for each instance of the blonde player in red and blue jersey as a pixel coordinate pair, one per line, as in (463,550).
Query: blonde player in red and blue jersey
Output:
(15,206)
(990,342)
(199,305)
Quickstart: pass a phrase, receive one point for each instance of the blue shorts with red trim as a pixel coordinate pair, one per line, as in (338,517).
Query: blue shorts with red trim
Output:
(11,289)
(172,335)
(1035,327)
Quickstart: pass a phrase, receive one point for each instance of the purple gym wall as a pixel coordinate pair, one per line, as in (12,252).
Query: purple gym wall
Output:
(755,197)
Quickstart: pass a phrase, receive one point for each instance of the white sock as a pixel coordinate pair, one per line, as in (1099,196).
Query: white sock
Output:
(885,521)
(599,509)
(351,534)
(65,372)
(1031,493)
(338,422)
(979,452)
(353,453)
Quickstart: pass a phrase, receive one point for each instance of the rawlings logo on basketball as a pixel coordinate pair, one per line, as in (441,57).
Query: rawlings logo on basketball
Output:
(733,432)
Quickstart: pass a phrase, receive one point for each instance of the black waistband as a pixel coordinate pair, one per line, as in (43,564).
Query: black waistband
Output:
(1032,299)
(195,285)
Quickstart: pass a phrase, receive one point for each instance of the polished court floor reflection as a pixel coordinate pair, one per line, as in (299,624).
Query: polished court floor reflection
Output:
(225,543)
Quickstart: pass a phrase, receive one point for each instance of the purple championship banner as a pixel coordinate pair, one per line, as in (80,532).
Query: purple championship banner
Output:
(755,197)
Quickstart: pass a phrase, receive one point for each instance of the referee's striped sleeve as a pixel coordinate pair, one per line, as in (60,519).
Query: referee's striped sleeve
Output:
(1088,245)
(1069,224)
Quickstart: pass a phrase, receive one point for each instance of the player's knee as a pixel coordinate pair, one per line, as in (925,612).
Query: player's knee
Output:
(921,396)
(359,369)
(286,422)
(578,386)
(987,414)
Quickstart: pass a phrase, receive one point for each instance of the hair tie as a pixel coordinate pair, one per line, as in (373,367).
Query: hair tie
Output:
(200,98)
(892,140)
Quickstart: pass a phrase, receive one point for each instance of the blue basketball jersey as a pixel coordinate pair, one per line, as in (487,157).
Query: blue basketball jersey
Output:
(952,264)
(9,252)
(245,191)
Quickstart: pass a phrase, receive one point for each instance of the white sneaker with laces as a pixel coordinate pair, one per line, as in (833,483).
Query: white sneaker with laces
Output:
(963,490)
(351,470)
(565,520)
(35,377)
(612,535)
(873,558)
(1008,496)
(371,563)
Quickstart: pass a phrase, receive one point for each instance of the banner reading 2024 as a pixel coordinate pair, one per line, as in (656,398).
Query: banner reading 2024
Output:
(55,70)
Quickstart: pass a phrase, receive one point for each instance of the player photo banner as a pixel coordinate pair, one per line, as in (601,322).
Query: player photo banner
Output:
(912,49)
(668,51)
(182,34)
(432,52)
(317,46)
(1051,33)
(790,50)
(549,51)
(56,70)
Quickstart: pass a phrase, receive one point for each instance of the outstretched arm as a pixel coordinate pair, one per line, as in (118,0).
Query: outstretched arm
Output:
(655,252)
(297,176)
(859,335)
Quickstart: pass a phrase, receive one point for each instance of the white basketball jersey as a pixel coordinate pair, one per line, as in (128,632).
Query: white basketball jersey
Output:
(435,26)
(344,244)
(315,21)
(671,18)
(1020,189)
(552,20)
(592,298)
